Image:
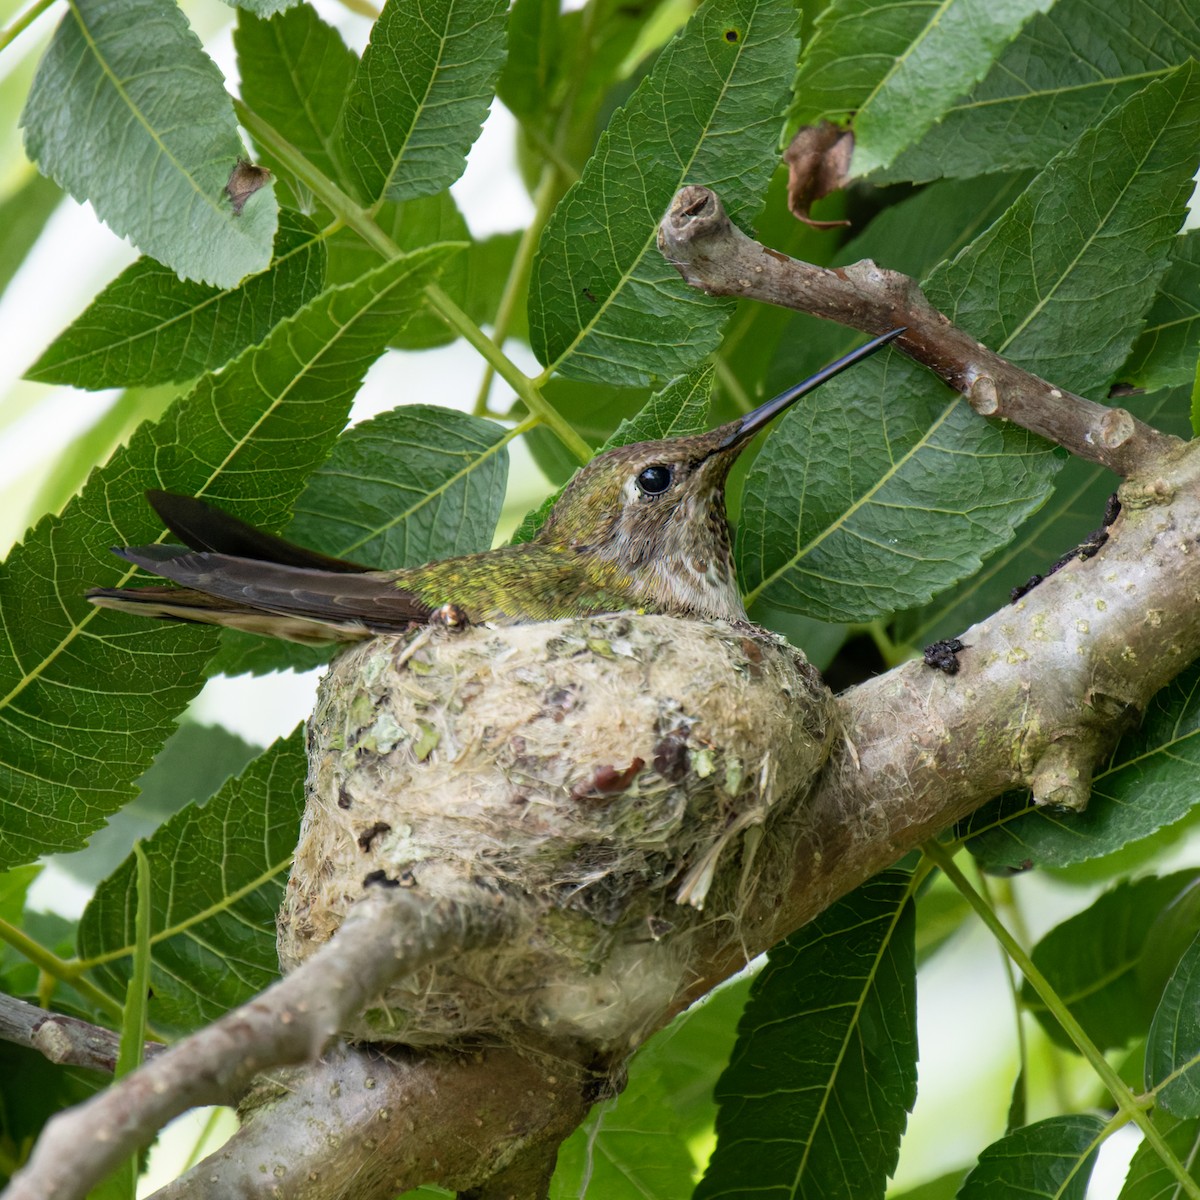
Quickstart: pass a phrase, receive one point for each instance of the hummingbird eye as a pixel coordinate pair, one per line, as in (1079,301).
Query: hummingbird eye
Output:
(655,480)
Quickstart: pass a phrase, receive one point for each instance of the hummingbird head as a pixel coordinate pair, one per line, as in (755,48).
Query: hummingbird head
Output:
(656,510)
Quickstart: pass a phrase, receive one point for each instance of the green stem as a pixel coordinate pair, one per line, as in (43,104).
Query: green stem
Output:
(1014,991)
(892,653)
(1129,1105)
(358,219)
(23,22)
(362,8)
(733,385)
(545,200)
(508,371)
(57,968)
(554,156)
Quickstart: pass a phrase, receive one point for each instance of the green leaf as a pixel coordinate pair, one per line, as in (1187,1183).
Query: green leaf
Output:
(1165,353)
(818,1089)
(640,1145)
(23,215)
(1173,1045)
(604,304)
(680,409)
(32,1090)
(217,877)
(193,763)
(1149,783)
(295,72)
(844,534)
(421,93)
(1049,1160)
(247,439)
(894,69)
(149,326)
(1149,1178)
(153,160)
(1094,962)
(1065,70)
(1075,510)
(410,485)
(533,61)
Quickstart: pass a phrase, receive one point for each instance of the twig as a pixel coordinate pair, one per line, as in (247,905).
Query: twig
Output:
(67,1041)
(710,252)
(388,934)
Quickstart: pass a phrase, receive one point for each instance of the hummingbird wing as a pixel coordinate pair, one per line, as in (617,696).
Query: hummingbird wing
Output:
(241,577)
(203,526)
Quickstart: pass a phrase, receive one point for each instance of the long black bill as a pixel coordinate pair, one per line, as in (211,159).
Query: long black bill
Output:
(752,422)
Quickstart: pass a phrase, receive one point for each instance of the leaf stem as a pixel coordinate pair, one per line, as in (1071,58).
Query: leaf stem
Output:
(508,371)
(553,154)
(733,385)
(1133,1108)
(27,18)
(358,219)
(544,202)
(1014,991)
(57,968)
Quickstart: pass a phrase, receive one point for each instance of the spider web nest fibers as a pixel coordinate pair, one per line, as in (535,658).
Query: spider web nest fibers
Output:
(609,777)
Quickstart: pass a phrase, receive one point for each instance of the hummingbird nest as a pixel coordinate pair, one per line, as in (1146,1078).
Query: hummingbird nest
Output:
(609,777)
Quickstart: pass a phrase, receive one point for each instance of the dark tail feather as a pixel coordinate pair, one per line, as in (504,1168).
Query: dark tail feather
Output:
(202,526)
(237,576)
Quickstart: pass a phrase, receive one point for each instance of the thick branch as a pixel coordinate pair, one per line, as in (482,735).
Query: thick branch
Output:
(710,252)
(360,1124)
(67,1041)
(390,933)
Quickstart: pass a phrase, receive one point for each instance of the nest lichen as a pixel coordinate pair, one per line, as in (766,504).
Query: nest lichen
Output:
(601,775)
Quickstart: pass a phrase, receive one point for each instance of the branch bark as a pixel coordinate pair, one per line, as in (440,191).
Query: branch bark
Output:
(711,253)
(67,1041)
(389,933)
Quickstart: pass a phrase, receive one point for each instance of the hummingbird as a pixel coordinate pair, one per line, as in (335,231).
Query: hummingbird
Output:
(641,527)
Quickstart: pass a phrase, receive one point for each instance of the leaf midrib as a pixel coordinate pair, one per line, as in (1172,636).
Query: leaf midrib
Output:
(215,909)
(853,1026)
(625,276)
(139,116)
(427,497)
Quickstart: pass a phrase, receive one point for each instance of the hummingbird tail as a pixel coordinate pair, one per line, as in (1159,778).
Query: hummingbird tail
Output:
(238,576)
(203,526)
(184,604)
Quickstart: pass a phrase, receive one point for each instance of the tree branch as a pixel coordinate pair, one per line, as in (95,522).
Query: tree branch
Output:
(710,252)
(361,1124)
(67,1041)
(390,933)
